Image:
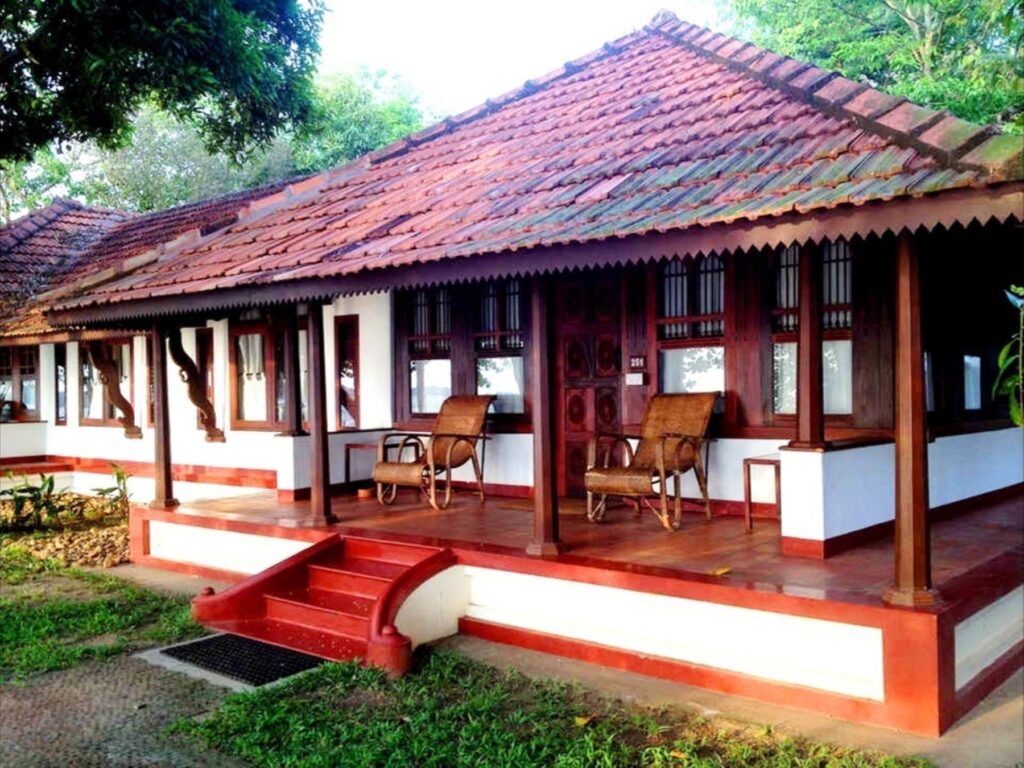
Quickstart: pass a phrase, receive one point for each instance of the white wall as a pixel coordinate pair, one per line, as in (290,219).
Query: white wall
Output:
(226,550)
(962,466)
(981,639)
(376,358)
(825,655)
(22,439)
(827,494)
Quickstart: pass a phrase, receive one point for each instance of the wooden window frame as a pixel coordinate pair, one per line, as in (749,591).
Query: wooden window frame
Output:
(462,352)
(788,318)
(264,329)
(17,376)
(107,420)
(204,366)
(351,336)
(60,360)
(692,274)
(507,326)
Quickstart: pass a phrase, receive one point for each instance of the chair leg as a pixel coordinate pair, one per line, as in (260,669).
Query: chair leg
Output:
(386,493)
(662,511)
(698,470)
(432,491)
(479,477)
(595,512)
(677,481)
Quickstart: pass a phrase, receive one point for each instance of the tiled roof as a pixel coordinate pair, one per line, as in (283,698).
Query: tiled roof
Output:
(669,128)
(68,245)
(36,249)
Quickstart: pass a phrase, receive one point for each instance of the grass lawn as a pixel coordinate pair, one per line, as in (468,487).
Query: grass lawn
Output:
(52,617)
(457,712)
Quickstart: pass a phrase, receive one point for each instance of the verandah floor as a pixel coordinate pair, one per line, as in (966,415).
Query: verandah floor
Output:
(624,542)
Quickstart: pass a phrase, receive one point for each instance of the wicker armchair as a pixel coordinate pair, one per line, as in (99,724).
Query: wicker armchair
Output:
(452,442)
(669,446)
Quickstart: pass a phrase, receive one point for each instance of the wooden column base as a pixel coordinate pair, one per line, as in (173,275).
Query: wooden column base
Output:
(911,598)
(164,503)
(804,445)
(545,548)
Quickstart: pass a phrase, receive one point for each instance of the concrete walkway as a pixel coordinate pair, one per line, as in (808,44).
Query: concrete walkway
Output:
(991,736)
(105,713)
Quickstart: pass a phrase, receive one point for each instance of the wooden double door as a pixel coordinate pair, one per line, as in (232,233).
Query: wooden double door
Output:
(589,333)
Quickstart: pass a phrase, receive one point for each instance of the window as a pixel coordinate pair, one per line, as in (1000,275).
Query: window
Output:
(259,391)
(430,344)
(837,322)
(60,383)
(346,342)
(692,369)
(251,377)
(204,365)
(465,339)
(19,383)
(972,383)
(499,342)
(96,409)
(691,299)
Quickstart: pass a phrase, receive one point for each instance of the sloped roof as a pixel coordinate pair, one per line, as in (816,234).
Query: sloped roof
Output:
(667,129)
(66,244)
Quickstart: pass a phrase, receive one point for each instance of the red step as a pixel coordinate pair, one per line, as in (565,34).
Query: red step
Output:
(318,602)
(320,609)
(386,551)
(325,645)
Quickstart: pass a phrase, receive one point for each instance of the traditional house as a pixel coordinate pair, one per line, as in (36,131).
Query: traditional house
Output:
(679,211)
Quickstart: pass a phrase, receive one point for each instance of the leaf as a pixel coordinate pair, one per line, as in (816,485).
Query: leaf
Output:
(583,721)
(1016,416)
(1006,353)
(719,571)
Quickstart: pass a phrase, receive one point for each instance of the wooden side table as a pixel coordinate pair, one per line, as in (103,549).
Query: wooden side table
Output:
(768,460)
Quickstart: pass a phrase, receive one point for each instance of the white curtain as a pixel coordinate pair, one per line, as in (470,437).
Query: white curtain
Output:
(837,375)
(693,369)
(252,384)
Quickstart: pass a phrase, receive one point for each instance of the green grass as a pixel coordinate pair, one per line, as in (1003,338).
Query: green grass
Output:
(456,712)
(53,617)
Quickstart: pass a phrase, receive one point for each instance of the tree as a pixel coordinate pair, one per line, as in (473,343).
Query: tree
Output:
(353,115)
(960,55)
(77,70)
(166,162)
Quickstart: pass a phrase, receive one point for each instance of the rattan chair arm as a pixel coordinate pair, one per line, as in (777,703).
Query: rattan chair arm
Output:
(470,440)
(684,439)
(383,443)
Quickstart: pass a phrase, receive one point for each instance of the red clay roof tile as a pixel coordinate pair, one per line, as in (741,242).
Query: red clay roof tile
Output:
(664,129)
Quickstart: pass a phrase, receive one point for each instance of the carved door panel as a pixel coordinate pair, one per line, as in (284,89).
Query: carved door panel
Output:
(589,344)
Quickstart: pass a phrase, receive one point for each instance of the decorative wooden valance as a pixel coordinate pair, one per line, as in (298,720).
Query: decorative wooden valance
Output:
(100,355)
(189,373)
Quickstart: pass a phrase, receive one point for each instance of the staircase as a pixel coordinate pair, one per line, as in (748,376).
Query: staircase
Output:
(336,599)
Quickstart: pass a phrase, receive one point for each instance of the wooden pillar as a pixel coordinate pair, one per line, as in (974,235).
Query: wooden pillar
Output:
(810,395)
(292,375)
(320,467)
(913,547)
(545,479)
(164,498)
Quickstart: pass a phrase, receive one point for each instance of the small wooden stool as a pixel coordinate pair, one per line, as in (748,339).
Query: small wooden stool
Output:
(772,460)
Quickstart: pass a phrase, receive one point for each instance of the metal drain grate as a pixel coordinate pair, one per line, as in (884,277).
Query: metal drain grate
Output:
(240,658)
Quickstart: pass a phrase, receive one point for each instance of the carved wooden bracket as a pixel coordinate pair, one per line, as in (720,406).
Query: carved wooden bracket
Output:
(189,373)
(111,378)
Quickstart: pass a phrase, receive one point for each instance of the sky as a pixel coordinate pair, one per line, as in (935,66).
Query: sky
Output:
(455,54)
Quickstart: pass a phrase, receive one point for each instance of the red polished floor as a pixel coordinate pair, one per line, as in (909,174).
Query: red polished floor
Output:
(624,541)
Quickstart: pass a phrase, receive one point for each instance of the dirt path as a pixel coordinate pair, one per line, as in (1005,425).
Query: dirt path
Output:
(106,713)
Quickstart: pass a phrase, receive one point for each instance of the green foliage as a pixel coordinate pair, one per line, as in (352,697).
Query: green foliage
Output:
(1009,381)
(73,615)
(116,496)
(29,506)
(72,70)
(353,115)
(455,712)
(167,162)
(960,55)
